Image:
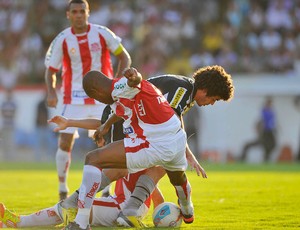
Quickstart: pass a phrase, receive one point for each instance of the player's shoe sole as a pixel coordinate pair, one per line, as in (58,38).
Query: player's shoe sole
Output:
(75,226)
(129,221)
(188,219)
(8,218)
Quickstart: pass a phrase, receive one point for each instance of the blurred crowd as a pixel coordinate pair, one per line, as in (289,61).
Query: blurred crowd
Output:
(174,36)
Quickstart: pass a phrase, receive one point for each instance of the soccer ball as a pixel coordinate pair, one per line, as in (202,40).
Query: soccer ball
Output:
(167,214)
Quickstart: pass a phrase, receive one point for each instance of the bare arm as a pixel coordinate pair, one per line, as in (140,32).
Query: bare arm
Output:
(63,123)
(124,61)
(50,79)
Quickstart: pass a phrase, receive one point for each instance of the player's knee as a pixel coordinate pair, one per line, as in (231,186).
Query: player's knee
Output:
(156,173)
(92,158)
(65,146)
(177,178)
(66,142)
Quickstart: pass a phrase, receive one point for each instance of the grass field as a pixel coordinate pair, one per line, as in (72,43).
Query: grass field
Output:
(235,196)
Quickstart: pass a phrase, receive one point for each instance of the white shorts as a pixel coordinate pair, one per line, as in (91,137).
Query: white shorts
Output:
(81,112)
(169,153)
(106,211)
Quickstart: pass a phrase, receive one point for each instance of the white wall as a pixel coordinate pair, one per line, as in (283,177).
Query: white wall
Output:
(227,126)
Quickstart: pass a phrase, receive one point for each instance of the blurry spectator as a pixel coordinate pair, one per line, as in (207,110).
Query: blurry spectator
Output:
(278,16)
(201,58)
(212,39)
(8,71)
(227,58)
(8,113)
(266,131)
(256,16)
(160,28)
(250,63)
(270,39)
(234,14)
(44,139)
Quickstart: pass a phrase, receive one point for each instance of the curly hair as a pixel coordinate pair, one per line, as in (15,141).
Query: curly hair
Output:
(216,81)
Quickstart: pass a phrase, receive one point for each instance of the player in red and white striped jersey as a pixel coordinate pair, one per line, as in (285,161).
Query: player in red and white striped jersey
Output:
(76,50)
(154,137)
(105,210)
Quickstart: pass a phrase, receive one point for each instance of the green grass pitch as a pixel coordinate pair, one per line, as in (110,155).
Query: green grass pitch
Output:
(235,196)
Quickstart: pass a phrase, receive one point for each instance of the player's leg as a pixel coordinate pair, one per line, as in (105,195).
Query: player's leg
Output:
(65,146)
(63,161)
(144,187)
(45,217)
(109,156)
(183,191)
(108,176)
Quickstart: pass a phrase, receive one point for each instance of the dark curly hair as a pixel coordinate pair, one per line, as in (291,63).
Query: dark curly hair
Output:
(216,81)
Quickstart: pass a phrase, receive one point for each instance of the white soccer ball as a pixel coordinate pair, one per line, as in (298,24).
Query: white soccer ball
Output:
(167,214)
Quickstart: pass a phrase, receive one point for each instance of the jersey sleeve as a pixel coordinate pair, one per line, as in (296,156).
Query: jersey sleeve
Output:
(122,90)
(112,40)
(53,59)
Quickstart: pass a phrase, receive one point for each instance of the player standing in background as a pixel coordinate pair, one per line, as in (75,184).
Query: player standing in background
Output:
(78,49)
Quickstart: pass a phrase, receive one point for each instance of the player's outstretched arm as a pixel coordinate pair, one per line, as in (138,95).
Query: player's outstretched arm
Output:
(63,123)
(133,76)
(192,161)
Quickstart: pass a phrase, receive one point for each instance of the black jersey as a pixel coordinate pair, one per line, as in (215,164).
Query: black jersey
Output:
(178,90)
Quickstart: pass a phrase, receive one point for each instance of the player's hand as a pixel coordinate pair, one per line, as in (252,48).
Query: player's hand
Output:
(194,164)
(133,76)
(62,122)
(99,133)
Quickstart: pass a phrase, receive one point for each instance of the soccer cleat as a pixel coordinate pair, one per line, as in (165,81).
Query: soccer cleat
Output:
(69,215)
(187,213)
(63,195)
(188,219)
(8,218)
(75,226)
(129,221)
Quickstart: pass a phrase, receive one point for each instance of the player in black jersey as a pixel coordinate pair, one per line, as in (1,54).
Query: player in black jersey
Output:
(207,85)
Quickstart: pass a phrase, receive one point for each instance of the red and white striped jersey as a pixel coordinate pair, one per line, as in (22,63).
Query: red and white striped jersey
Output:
(77,54)
(146,111)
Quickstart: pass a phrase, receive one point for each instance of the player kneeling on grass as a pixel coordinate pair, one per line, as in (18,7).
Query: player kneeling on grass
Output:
(104,211)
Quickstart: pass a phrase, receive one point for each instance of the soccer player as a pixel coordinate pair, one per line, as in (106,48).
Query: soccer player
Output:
(78,49)
(207,83)
(154,137)
(104,212)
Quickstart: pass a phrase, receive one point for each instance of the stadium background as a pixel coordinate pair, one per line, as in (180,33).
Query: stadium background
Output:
(256,41)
